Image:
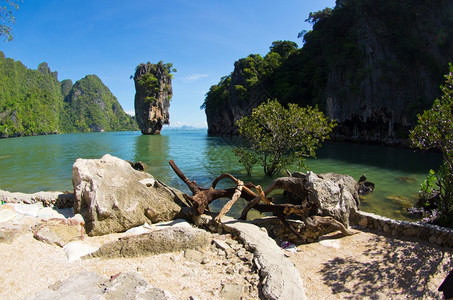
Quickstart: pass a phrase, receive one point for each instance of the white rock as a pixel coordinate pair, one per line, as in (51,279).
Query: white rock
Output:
(330,243)
(7,213)
(75,250)
(28,209)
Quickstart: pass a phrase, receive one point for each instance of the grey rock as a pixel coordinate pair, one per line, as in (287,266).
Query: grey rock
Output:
(83,285)
(194,255)
(221,244)
(336,195)
(281,279)
(231,291)
(167,240)
(58,231)
(113,197)
(91,286)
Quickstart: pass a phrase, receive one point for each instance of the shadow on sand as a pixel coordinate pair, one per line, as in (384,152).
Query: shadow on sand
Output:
(398,269)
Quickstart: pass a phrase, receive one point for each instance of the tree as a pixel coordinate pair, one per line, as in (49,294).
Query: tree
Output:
(7,17)
(434,130)
(284,48)
(276,136)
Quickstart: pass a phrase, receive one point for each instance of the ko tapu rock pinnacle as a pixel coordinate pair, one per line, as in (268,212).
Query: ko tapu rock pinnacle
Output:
(153,92)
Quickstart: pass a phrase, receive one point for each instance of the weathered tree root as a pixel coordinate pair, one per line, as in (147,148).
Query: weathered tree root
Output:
(202,197)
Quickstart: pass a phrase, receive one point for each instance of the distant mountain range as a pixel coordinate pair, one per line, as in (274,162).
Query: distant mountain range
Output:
(34,102)
(183,127)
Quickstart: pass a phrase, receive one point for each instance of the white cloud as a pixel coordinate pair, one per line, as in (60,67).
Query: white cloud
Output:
(130,112)
(194,77)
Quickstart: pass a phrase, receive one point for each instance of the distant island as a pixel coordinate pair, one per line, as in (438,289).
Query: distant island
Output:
(184,127)
(34,102)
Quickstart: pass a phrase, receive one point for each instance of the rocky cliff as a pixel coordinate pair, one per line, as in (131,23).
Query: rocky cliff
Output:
(371,65)
(153,92)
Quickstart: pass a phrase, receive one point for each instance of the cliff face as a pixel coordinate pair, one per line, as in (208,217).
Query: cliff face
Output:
(153,92)
(371,65)
(393,71)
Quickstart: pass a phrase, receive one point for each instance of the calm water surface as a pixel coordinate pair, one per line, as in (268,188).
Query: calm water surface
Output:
(32,164)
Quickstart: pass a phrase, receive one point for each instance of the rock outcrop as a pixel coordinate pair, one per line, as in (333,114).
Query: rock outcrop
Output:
(370,66)
(153,92)
(113,197)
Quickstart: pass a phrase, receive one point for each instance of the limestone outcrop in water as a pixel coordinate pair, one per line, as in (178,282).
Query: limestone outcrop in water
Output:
(153,92)
(371,66)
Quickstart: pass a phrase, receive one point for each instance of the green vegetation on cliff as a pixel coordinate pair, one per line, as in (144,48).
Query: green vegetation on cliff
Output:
(34,102)
(90,106)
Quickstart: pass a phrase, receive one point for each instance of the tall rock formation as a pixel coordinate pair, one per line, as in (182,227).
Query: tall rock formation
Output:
(370,65)
(153,92)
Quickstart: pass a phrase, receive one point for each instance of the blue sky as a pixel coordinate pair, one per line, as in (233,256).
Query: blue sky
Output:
(110,38)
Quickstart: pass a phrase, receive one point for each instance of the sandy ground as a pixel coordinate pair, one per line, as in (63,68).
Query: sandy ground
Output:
(364,266)
(372,266)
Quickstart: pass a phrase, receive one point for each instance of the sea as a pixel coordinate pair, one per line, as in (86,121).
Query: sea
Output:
(44,163)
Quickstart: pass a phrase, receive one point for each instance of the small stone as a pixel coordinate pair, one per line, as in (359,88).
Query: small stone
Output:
(193,255)
(205,261)
(221,244)
(231,291)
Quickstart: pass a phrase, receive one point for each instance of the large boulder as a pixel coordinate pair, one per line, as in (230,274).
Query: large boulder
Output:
(332,201)
(113,197)
(334,195)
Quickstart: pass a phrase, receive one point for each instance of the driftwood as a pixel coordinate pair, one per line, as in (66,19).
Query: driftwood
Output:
(202,197)
(291,184)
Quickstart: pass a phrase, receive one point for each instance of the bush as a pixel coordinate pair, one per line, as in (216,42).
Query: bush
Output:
(277,137)
(434,130)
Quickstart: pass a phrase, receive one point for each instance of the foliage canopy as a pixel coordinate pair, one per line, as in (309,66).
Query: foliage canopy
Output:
(277,136)
(7,18)
(434,130)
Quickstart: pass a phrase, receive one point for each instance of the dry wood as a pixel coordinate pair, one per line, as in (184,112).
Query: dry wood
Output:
(202,197)
(230,203)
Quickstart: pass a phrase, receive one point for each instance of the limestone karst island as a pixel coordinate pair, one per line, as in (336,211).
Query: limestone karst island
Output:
(319,166)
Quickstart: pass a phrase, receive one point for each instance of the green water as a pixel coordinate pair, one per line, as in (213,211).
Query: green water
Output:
(32,164)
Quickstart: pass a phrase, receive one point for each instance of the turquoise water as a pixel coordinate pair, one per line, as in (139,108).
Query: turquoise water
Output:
(31,164)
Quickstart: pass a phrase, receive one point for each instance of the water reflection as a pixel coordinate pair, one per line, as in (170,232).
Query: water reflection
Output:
(153,150)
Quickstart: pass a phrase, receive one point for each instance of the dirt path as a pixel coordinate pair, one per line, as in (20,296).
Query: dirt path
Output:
(371,266)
